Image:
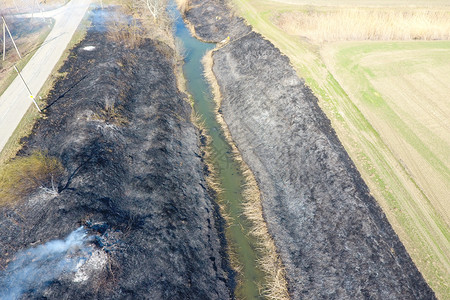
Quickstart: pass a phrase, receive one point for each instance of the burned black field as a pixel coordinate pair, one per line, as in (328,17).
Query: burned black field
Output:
(333,238)
(126,212)
(132,177)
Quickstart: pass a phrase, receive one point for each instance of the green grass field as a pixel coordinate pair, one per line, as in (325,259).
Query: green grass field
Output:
(387,102)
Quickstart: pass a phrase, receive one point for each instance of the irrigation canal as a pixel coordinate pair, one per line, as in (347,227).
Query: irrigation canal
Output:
(230,177)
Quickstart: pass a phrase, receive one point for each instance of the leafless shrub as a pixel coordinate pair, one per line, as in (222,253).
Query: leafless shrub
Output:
(150,20)
(131,35)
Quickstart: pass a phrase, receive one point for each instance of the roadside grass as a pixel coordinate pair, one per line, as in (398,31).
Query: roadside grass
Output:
(24,128)
(23,175)
(421,226)
(28,44)
(26,125)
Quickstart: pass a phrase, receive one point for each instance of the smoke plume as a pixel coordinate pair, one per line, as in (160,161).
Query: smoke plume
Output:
(34,268)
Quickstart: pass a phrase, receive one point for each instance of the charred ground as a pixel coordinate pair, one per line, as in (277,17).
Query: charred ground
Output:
(333,238)
(133,176)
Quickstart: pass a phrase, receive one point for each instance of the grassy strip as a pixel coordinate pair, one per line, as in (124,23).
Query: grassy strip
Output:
(387,178)
(26,125)
(23,175)
(269,260)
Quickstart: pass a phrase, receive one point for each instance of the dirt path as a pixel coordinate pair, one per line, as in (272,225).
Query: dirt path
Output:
(14,102)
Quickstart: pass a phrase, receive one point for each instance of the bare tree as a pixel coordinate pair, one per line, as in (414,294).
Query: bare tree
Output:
(155,7)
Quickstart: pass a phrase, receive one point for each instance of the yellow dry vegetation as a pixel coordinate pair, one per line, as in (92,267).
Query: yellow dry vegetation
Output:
(183,6)
(24,175)
(342,24)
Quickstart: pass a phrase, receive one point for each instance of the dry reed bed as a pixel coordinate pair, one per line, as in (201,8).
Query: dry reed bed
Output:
(269,261)
(142,27)
(367,24)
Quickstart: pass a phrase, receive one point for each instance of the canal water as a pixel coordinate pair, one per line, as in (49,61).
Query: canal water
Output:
(243,245)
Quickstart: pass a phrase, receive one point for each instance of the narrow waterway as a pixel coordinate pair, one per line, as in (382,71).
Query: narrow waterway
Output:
(230,176)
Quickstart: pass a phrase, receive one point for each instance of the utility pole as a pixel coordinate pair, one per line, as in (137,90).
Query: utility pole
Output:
(15,4)
(10,35)
(4,40)
(40,8)
(28,89)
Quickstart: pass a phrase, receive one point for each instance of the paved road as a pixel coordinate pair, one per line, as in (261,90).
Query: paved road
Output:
(15,101)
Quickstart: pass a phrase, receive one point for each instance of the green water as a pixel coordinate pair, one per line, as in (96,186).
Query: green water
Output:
(230,175)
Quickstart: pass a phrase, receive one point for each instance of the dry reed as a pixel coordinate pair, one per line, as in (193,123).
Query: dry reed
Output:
(131,35)
(269,260)
(368,24)
(183,6)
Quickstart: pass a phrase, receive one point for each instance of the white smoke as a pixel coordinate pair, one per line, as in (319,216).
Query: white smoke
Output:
(35,268)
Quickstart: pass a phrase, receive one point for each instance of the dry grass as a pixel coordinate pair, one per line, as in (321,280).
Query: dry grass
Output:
(121,31)
(183,6)
(112,115)
(23,175)
(367,24)
(269,261)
